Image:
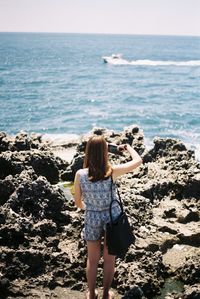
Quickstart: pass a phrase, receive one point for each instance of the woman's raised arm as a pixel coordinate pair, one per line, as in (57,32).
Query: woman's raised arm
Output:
(121,169)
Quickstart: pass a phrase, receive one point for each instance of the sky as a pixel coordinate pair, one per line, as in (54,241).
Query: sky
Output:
(168,17)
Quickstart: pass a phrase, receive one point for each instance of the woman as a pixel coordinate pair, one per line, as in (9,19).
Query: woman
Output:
(93,194)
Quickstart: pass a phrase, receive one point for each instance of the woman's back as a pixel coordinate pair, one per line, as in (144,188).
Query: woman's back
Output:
(96,195)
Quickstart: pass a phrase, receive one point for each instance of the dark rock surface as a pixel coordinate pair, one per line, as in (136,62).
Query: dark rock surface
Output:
(189,292)
(41,248)
(192,292)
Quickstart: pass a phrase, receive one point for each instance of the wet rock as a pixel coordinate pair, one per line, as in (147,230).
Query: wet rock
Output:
(134,292)
(190,292)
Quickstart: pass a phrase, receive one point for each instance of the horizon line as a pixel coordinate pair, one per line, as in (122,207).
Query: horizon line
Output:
(101,33)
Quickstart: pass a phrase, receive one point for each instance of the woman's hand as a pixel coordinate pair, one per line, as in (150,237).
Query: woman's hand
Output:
(123,168)
(122,147)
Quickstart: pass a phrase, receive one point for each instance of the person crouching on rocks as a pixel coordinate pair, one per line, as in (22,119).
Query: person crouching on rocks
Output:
(92,187)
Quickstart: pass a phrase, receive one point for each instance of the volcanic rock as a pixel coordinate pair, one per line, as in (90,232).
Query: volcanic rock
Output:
(41,246)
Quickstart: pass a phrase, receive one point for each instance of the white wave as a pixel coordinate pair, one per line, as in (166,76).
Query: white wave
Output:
(196,149)
(164,63)
(60,139)
(147,62)
(197,154)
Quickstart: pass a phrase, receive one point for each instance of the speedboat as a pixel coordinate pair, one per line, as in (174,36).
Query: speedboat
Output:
(112,58)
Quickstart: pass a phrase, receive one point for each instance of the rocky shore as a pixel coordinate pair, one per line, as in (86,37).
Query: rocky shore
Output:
(42,253)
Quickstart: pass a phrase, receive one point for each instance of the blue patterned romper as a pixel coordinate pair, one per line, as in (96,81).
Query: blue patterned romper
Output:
(97,198)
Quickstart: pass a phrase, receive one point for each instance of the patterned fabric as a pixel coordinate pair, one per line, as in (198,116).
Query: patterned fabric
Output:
(95,223)
(97,198)
(96,195)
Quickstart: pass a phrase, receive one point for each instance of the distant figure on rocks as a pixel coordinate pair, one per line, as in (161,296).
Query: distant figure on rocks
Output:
(93,194)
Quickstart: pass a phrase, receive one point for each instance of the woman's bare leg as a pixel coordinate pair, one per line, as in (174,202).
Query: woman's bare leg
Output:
(108,270)
(94,254)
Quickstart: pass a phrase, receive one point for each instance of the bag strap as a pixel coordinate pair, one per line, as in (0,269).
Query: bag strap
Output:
(119,202)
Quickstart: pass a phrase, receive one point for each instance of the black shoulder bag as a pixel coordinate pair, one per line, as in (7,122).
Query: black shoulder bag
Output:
(119,235)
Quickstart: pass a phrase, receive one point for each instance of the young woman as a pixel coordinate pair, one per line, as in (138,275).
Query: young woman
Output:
(93,194)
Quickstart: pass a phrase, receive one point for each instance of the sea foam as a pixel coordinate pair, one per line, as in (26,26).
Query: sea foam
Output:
(147,62)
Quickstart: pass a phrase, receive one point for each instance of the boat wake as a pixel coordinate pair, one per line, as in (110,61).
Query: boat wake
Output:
(116,59)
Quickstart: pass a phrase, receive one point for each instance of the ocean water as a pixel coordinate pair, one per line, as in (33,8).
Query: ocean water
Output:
(59,84)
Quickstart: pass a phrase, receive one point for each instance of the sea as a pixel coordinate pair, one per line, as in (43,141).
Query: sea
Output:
(57,84)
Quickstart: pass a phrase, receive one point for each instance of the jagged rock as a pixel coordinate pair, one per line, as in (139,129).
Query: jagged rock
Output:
(143,272)
(40,230)
(189,272)
(188,216)
(44,164)
(77,163)
(168,147)
(4,142)
(134,292)
(170,213)
(192,292)
(11,236)
(9,164)
(44,228)
(177,256)
(38,200)
(7,187)
(2,135)
(21,142)
(4,286)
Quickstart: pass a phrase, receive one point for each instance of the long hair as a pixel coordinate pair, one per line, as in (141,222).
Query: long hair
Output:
(96,159)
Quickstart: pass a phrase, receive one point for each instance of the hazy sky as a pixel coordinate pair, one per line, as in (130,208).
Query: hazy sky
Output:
(177,17)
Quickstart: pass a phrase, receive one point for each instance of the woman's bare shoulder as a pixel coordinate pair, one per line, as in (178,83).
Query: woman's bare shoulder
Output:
(82,171)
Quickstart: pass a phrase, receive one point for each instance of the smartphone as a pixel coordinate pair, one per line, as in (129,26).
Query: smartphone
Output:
(112,148)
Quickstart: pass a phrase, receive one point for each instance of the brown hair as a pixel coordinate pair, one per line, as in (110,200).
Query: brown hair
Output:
(96,159)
